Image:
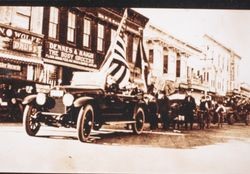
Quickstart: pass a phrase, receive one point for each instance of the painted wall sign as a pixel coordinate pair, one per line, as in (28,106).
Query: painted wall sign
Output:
(20,41)
(116,22)
(21,45)
(69,54)
(11,33)
(10,66)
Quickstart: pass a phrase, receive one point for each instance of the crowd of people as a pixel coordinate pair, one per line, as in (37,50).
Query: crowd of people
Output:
(186,112)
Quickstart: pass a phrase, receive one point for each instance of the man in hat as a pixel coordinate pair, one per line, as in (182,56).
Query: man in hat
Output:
(189,106)
(163,108)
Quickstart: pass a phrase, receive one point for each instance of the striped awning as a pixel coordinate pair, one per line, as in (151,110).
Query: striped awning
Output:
(20,58)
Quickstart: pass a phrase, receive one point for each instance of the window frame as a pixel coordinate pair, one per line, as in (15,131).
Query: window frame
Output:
(165,64)
(71,27)
(86,34)
(178,68)
(100,37)
(54,22)
(21,14)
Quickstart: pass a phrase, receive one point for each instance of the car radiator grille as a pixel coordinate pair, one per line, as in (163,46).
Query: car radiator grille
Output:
(59,106)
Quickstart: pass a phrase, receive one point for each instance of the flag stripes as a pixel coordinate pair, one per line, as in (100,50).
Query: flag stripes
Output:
(115,63)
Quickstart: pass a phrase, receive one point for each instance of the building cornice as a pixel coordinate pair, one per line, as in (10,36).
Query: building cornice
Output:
(221,45)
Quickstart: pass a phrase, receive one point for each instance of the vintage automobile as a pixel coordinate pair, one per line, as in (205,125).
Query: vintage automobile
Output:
(238,110)
(12,92)
(88,103)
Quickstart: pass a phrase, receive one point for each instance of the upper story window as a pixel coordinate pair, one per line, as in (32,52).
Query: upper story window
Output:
(53,22)
(100,37)
(86,32)
(178,68)
(165,64)
(71,27)
(23,17)
(151,56)
(113,33)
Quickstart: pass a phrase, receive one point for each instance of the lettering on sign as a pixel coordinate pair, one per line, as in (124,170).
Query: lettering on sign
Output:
(21,41)
(10,66)
(24,46)
(113,21)
(8,32)
(69,54)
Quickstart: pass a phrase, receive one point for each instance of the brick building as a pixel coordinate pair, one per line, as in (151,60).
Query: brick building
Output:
(77,39)
(21,42)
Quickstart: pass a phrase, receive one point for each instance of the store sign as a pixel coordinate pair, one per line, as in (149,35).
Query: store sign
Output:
(25,46)
(11,33)
(69,54)
(10,66)
(115,22)
(21,41)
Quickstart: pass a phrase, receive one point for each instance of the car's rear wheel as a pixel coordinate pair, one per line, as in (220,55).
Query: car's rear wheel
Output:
(85,122)
(30,123)
(139,118)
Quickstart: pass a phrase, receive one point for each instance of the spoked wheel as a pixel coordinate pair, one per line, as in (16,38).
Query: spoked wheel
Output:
(85,122)
(139,118)
(30,123)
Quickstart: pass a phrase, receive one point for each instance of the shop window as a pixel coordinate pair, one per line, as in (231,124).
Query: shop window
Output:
(178,68)
(151,55)
(86,32)
(71,27)
(165,64)
(50,74)
(53,23)
(23,17)
(100,37)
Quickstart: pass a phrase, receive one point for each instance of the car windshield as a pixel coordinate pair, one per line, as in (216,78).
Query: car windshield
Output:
(91,79)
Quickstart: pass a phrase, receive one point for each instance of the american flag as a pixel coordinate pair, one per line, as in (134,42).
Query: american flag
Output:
(115,63)
(141,64)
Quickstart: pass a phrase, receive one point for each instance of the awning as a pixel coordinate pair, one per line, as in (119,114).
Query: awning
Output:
(9,56)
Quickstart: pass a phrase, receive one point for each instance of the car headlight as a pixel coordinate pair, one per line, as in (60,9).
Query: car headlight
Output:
(13,100)
(68,99)
(41,98)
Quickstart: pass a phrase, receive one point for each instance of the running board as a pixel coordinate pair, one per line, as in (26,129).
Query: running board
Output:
(51,113)
(119,122)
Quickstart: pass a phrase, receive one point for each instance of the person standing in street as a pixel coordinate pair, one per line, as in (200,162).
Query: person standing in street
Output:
(189,106)
(163,109)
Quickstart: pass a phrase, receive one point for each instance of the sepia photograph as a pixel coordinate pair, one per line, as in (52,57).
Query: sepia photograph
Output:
(126,88)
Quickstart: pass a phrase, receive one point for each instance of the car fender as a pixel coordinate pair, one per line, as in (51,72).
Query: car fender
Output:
(28,99)
(82,100)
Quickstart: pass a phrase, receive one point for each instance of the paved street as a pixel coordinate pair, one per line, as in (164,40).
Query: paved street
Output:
(57,150)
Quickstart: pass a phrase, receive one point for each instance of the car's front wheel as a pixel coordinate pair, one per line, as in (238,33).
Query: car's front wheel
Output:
(30,123)
(85,122)
(139,118)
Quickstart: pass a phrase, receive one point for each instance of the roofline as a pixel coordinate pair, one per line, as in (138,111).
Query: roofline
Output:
(174,38)
(220,44)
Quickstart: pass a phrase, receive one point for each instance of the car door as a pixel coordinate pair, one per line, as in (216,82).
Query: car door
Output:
(114,107)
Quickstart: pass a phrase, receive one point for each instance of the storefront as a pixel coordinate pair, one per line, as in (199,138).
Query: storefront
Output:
(77,39)
(61,61)
(20,53)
